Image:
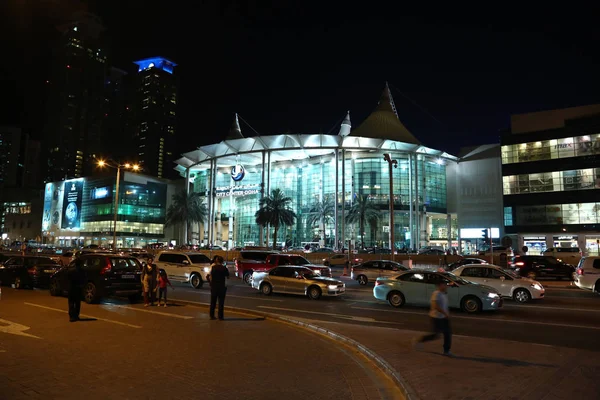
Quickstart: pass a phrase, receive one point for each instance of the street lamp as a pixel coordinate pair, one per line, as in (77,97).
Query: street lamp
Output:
(117,166)
(386,157)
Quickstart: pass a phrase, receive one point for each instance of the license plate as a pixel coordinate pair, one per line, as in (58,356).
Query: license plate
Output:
(342,290)
(128,276)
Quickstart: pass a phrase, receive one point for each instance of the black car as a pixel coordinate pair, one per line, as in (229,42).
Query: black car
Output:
(465,261)
(541,266)
(28,271)
(106,275)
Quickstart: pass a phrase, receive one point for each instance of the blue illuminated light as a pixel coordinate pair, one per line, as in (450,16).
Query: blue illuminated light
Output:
(156,62)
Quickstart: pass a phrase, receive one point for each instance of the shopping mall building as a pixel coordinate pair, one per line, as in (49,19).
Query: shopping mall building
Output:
(341,169)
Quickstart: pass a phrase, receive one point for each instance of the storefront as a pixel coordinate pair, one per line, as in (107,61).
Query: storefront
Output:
(536,244)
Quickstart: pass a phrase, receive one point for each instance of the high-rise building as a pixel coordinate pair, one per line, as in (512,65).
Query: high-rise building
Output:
(19,159)
(156,110)
(73,130)
(119,120)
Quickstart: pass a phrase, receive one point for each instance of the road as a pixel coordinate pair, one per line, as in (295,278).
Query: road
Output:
(121,350)
(565,315)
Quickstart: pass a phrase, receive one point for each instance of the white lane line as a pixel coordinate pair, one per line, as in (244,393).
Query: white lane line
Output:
(15,329)
(524,306)
(244,297)
(2,351)
(515,321)
(195,304)
(150,311)
(86,316)
(342,316)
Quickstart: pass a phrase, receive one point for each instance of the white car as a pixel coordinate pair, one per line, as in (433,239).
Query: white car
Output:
(189,268)
(587,275)
(521,290)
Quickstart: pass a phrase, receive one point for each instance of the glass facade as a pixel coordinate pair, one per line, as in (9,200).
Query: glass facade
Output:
(557,181)
(576,146)
(310,177)
(558,214)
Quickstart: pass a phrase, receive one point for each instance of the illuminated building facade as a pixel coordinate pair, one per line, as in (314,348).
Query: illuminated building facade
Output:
(340,168)
(156,115)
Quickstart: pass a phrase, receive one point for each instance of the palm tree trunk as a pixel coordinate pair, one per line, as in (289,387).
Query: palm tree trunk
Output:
(362,233)
(275,229)
(323,226)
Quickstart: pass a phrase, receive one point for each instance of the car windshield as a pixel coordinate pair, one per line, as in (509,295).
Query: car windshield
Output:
(199,259)
(455,278)
(308,274)
(299,261)
(45,260)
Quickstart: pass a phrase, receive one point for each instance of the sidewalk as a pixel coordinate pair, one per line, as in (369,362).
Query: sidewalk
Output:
(483,368)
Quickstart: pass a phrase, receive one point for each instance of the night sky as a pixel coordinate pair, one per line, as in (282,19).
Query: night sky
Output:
(291,67)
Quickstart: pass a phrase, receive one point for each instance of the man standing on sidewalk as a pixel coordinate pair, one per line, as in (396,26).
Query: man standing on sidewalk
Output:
(218,287)
(76,281)
(440,318)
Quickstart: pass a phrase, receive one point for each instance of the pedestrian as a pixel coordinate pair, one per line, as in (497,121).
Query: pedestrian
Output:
(149,281)
(163,279)
(76,277)
(440,318)
(217,278)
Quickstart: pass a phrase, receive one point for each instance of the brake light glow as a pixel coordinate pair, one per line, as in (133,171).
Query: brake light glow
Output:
(107,268)
(377,283)
(520,263)
(580,271)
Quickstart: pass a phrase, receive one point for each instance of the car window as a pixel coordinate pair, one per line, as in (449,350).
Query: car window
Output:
(275,272)
(413,277)
(299,260)
(288,272)
(165,257)
(493,273)
(92,262)
(596,264)
(199,259)
(473,272)
(255,255)
(123,263)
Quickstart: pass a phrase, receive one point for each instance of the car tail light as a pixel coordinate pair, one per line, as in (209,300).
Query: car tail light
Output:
(377,282)
(107,268)
(520,263)
(580,271)
(32,271)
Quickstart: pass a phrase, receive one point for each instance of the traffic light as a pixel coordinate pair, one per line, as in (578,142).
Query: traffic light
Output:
(484,235)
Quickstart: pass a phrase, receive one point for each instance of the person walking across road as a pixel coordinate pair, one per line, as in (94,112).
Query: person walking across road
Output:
(440,318)
(149,281)
(218,285)
(76,281)
(163,280)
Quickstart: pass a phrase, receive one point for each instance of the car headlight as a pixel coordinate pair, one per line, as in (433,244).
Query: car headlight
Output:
(492,295)
(537,286)
(206,269)
(332,287)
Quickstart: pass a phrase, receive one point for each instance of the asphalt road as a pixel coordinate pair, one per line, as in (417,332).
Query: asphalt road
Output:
(565,317)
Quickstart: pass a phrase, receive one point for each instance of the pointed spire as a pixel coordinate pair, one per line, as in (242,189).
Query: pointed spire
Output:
(346,126)
(235,132)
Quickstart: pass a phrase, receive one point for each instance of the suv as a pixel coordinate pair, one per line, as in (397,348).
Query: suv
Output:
(541,266)
(106,275)
(371,270)
(248,261)
(587,275)
(189,268)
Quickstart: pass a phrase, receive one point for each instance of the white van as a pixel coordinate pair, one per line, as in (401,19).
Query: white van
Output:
(587,274)
(189,268)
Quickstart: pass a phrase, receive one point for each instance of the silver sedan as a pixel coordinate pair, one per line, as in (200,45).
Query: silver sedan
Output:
(296,280)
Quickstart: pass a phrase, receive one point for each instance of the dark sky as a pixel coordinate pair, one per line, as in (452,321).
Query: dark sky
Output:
(290,66)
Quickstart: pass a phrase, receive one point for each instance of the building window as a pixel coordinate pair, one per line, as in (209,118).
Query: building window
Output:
(508,217)
(556,181)
(551,149)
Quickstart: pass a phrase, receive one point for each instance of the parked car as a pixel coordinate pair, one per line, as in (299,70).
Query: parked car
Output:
(245,269)
(106,275)
(28,271)
(336,259)
(371,270)
(534,267)
(416,287)
(296,280)
(508,284)
(183,267)
(587,275)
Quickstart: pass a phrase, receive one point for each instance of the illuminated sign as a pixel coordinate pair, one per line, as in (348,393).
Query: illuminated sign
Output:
(99,193)
(237,173)
(156,62)
(475,233)
(242,190)
(72,199)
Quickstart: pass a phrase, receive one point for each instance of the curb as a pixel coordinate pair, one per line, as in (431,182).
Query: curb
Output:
(379,361)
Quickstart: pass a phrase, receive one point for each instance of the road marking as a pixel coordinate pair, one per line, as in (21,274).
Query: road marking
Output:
(243,297)
(152,312)
(516,321)
(551,308)
(342,316)
(86,316)
(195,304)
(15,329)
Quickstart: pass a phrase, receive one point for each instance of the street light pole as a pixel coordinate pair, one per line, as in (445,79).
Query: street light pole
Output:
(391,162)
(116,209)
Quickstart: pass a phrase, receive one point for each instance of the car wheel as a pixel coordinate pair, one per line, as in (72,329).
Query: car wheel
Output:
(396,299)
(266,289)
(522,296)
(470,304)
(314,292)
(531,275)
(597,287)
(90,294)
(363,280)
(248,278)
(55,288)
(196,281)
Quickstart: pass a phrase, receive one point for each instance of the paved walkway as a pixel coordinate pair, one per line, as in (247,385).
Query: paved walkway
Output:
(130,352)
(483,368)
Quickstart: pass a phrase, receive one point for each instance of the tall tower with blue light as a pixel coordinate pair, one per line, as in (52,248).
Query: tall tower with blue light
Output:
(156,116)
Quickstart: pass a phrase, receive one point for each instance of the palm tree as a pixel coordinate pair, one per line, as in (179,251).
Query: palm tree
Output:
(186,208)
(274,210)
(362,211)
(320,213)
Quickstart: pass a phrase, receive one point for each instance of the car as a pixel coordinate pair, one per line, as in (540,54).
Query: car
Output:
(534,267)
(106,275)
(28,271)
(465,261)
(296,280)
(185,267)
(415,287)
(587,275)
(336,259)
(508,284)
(371,270)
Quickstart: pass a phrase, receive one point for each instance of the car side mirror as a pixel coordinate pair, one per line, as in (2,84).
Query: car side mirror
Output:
(186,262)
(502,278)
